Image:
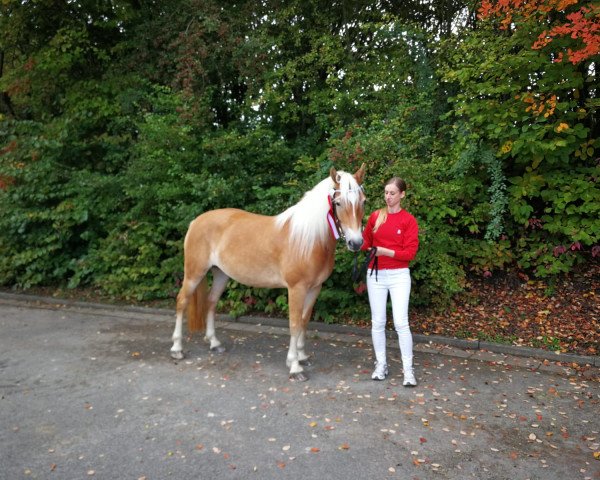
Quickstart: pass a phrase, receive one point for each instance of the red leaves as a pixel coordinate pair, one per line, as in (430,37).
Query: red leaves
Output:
(559,250)
(583,25)
(5,182)
(9,148)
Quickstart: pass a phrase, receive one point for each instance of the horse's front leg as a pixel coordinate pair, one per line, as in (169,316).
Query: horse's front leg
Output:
(296,298)
(303,358)
(309,303)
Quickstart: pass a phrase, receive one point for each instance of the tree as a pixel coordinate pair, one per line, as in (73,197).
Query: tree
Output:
(580,34)
(537,117)
(122,120)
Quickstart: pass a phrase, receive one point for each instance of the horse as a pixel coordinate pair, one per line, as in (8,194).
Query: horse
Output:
(293,250)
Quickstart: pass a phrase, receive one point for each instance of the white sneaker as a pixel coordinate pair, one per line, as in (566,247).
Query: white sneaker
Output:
(409,378)
(380,372)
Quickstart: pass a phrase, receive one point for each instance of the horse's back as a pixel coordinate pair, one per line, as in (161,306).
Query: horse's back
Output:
(215,223)
(246,246)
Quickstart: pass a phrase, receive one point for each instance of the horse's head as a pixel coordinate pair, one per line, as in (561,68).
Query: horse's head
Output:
(348,201)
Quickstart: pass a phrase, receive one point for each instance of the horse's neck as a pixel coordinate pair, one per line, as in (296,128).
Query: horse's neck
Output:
(324,250)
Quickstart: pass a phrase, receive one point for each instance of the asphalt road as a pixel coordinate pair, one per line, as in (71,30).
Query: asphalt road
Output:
(92,393)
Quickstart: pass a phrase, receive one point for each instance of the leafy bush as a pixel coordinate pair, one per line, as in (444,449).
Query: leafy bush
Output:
(527,131)
(114,137)
(50,212)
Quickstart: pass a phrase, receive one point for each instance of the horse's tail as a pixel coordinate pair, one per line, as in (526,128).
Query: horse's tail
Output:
(197,308)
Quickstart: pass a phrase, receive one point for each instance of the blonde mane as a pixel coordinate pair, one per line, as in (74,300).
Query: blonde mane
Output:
(308,217)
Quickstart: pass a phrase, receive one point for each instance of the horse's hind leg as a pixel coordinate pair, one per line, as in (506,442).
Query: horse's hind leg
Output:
(183,298)
(218,287)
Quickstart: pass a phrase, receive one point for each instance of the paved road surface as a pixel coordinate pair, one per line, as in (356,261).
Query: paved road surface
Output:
(91,393)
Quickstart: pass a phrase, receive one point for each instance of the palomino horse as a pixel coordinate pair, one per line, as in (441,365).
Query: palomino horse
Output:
(293,250)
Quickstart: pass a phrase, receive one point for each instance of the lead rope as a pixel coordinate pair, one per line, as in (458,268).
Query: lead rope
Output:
(357,273)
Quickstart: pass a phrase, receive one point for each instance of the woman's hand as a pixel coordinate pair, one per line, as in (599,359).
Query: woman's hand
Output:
(385,252)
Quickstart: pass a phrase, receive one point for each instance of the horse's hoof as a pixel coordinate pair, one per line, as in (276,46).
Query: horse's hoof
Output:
(220,349)
(177,355)
(306,363)
(298,377)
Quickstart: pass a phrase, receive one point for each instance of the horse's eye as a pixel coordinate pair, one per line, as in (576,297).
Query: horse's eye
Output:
(337,203)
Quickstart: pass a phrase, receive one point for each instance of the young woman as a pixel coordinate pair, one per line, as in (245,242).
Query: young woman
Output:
(395,235)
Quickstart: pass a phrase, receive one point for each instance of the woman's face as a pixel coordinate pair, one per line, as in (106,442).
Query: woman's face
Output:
(393,196)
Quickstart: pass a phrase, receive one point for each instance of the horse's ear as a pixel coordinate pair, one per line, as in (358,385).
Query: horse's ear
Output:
(360,174)
(334,176)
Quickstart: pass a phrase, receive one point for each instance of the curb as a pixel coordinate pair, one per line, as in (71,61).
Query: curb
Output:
(460,343)
(472,345)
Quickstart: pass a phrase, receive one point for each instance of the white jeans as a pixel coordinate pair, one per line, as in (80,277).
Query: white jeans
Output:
(396,283)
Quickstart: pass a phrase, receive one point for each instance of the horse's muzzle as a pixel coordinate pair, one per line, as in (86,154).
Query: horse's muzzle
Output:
(354,245)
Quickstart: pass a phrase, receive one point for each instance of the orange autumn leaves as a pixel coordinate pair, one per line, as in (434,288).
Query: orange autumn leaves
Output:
(509,8)
(540,104)
(582,25)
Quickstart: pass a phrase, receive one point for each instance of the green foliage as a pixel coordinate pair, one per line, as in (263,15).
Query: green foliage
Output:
(173,176)
(554,239)
(134,262)
(239,299)
(120,122)
(533,122)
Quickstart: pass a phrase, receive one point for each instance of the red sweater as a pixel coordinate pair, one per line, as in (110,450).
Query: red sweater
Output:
(399,233)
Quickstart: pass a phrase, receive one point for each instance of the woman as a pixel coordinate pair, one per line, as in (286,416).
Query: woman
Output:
(394,233)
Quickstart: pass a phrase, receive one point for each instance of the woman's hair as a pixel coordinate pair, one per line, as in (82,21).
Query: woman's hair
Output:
(382,217)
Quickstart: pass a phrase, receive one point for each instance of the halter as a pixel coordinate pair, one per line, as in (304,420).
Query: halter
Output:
(332,206)
(334,220)
(357,272)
